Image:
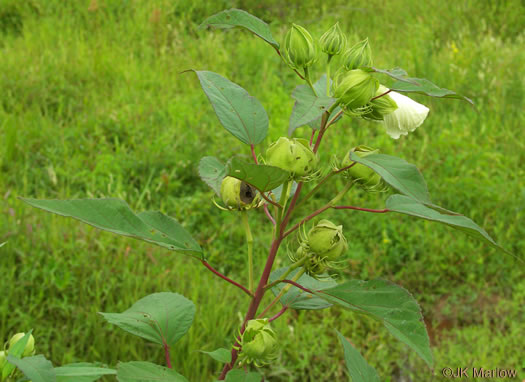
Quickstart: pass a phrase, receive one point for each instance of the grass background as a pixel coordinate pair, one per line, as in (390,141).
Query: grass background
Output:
(92,104)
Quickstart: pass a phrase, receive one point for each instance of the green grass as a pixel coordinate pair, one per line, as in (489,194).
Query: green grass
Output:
(93,104)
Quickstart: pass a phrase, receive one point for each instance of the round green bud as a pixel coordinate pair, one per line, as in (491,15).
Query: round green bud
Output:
(259,342)
(299,49)
(381,106)
(358,56)
(363,175)
(236,194)
(327,241)
(333,42)
(292,155)
(355,88)
(3,360)
(30,346)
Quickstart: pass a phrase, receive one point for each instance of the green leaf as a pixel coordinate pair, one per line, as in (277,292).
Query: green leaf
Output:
(147,372)
(262,177)
(278,191)
(222,355)
(212,171)
(391,304)
(240,113)
(238,375)
(114,215)
(359,369)
(37,368)
(405,84)
(403,176)
(308,107)
(239,18)
(2,244)
(298,299)
(16,351)
(81,372)
(162,318)
(425,87)
(408,206)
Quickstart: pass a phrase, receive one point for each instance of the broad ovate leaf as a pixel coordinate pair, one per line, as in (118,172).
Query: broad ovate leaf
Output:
(114,215)
(162,318)
(36,368)
(138,371)
(212,171)
(359,369)
(262,177)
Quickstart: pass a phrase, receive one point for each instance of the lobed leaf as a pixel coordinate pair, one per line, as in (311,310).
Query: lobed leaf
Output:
(391,304)
(162,318)
(238,18)
(114,215)
(240,113)
(359,369)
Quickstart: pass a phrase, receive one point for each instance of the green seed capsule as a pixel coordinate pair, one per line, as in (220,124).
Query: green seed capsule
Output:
(236,194)
(363,175)
(258,342)
(293,155)
(358,56)
(355,88)
(327,240)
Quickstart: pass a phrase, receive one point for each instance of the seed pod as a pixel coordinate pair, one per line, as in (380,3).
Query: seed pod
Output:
(363,175)
(258,342)
(299,49)
(355,89)
(381,106)
(293,155)
(333,42)
(358,56)
(238,195)
(30,346)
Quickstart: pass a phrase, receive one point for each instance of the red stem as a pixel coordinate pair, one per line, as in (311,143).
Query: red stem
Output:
(281,312)
(252,147)
(381,95)
(312,137)
(297,285)
(309,217)
(269,214)
(361,209)
(226,278)
(167,354)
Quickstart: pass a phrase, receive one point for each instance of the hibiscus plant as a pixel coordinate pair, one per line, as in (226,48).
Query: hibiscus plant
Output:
(275,182)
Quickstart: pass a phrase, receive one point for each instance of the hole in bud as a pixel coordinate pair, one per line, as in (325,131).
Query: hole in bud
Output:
(247,193)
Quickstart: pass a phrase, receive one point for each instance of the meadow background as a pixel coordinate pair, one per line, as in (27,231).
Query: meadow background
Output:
(92,104)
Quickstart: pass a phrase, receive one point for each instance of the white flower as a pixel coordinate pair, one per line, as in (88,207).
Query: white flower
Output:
(408,116)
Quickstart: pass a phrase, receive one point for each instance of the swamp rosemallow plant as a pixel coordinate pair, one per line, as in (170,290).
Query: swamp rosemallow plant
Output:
(276,184)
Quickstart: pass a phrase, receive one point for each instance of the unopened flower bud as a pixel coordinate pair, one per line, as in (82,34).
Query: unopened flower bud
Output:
(363,175)
(381,106)
(3,360)
(326,240)
(333,42)
(299,49)
(355,89)
(259,342)
(237,194)
(293,155)
(30,345)
(358,56)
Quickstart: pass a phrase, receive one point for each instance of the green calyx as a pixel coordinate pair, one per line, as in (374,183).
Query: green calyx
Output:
(293,155)
(299,49)
(355,89)
(333,41)
(363,175)
(238,195)
(381,106)
(259,343)
(320,249)
(358,56)
(30,346)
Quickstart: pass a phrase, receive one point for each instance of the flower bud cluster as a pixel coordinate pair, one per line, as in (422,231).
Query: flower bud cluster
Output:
(320,249)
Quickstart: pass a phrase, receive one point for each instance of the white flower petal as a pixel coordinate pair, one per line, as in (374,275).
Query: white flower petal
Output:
(408,116)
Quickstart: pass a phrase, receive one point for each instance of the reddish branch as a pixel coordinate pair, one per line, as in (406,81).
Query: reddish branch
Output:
(361,209)
(279,314)
(167,354)
(226,278)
